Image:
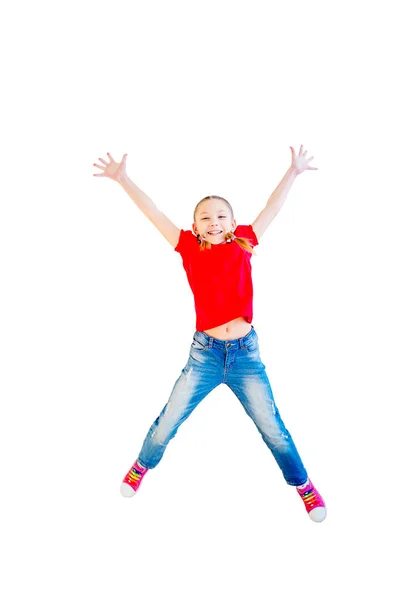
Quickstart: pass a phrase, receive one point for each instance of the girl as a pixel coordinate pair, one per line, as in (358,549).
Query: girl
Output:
(225,344)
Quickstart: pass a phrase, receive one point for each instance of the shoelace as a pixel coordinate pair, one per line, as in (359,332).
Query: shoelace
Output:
(134,476)
(311,499)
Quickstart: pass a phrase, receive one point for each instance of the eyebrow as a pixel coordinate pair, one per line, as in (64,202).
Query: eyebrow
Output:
(220,210)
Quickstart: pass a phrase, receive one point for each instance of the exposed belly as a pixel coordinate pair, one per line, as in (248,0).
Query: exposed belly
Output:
(230,331)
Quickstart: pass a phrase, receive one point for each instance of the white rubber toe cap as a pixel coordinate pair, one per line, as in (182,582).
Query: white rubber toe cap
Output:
(317,514)
(126,490)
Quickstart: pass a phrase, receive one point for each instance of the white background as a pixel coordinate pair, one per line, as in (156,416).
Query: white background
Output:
(97,315)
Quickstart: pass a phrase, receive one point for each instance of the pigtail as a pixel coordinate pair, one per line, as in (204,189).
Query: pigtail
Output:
(243,242)
(204,245)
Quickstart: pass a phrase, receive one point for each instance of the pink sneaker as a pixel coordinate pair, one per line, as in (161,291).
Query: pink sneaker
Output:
(133,479)
(315,506)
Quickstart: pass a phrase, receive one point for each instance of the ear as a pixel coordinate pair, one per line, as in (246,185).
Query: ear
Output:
(195,230)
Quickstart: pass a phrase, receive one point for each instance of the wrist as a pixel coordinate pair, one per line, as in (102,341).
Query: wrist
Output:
(123,179)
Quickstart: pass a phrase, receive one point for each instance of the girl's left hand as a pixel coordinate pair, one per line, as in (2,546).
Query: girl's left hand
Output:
(299,161)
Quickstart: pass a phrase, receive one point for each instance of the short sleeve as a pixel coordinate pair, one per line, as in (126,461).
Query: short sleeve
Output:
(187,242)
(247,231)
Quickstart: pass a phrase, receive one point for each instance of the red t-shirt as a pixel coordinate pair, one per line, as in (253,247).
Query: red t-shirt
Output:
(220,278)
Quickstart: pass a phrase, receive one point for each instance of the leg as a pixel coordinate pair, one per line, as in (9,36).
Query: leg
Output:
(197,380)
(249,382)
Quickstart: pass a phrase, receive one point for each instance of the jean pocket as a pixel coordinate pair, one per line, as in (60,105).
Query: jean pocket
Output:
(252,345)
(199,346)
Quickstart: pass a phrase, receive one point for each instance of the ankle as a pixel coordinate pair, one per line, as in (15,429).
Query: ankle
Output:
(304,485)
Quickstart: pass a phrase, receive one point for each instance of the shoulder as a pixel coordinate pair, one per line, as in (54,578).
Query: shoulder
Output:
(247,231)
(187,241)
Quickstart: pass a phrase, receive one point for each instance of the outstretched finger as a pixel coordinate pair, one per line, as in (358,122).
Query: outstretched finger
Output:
(99,166)
(301,149)
(312,168)
(103,161)
(308,165)
(109,155)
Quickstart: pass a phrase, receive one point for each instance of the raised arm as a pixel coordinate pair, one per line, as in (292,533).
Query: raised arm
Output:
(117,172)
(275,202)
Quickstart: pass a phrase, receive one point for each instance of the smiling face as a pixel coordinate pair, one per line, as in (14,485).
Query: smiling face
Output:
(213,215)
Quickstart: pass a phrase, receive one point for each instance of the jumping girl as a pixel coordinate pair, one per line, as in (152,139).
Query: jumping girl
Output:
(216,256)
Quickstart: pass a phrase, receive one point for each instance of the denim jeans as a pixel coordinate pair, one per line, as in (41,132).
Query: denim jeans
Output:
(237,363)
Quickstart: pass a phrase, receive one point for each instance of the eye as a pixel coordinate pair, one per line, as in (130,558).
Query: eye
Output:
(221,217)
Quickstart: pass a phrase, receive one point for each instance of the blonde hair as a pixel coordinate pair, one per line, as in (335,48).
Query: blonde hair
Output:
(243,242)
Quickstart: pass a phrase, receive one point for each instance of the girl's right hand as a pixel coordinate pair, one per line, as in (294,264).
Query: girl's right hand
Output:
(113,170)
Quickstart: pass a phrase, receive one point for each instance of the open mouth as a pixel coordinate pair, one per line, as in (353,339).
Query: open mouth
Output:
(214,232)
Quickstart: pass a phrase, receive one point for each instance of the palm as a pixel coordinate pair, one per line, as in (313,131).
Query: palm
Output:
(113,170)
(299,161)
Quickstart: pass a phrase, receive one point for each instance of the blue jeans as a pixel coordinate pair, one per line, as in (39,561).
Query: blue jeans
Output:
(236,363)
